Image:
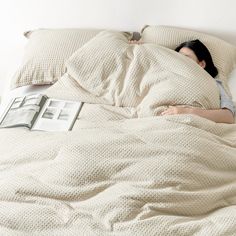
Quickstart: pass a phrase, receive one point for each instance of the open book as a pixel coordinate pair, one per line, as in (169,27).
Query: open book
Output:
(38,112)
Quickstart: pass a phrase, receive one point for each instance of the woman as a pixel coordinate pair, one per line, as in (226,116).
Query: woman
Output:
(198,52)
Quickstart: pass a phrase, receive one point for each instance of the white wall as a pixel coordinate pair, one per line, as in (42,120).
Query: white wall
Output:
(16,16)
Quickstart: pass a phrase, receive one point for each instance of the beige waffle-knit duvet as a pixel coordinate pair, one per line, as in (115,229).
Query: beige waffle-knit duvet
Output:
(121,170)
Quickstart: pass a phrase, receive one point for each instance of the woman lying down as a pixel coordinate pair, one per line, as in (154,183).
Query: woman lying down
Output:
(198,52)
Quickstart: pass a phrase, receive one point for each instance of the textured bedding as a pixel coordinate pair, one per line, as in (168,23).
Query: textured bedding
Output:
(123,169)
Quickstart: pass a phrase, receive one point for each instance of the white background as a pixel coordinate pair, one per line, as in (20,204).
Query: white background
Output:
(217,17)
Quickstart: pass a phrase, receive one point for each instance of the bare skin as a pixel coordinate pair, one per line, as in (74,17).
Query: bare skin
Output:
(218,115)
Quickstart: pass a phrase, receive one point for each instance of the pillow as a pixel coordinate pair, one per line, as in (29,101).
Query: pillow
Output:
(223,53)
(46,53)
(146,76)
(232,84)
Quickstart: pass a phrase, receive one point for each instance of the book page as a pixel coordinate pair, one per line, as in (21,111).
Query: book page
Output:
(22,111)
(19,117)
(57,115)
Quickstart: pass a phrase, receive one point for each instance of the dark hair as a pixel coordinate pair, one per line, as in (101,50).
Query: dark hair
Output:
(202,53)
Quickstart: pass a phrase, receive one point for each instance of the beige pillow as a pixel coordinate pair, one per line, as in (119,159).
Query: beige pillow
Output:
(46,53)
(223,53)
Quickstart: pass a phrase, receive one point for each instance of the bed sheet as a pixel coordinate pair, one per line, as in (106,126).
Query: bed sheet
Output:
(116,174)
(171,175)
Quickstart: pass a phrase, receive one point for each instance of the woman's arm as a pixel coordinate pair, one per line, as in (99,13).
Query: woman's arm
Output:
(218,116)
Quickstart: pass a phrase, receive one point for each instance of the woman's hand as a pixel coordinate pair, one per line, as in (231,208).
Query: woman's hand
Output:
(218,115)
(174,110)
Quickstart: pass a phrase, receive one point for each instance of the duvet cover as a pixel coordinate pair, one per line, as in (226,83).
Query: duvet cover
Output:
(124,169)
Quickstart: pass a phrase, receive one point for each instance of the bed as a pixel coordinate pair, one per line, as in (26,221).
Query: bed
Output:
(124,169)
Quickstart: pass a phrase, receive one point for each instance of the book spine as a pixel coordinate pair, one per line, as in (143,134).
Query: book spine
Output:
(41,104)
